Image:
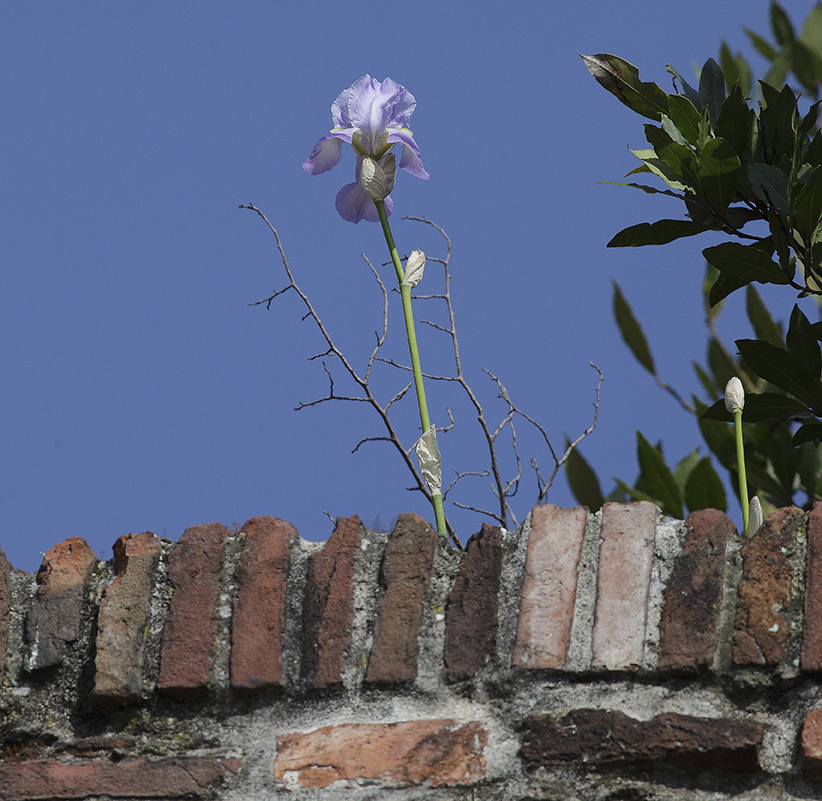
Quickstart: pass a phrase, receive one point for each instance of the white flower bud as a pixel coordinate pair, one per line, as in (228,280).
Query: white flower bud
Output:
(734,395)
(377,177)
(754,516)
(414,268)
(428,455)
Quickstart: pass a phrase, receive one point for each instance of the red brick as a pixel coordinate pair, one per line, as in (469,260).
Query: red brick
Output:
(54,618)
(693,596)
(812,744)
(122,621)
(598,737)
(195,568)
(811,655)
(408,564)
(5,607)
(259,608)
(44,780)
(471,616)
(623,581)
(765,595)
(328,605)
(435,752)
(550,586)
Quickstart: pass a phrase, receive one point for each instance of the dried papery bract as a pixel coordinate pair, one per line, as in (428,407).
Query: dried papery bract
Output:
(414,268)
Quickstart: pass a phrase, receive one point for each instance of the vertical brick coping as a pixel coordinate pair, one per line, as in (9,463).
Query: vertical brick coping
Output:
(693,596)
(625,557)
(122,621)
(550,586)
(195,568)
(435,752)
(328,605)
(259,609)
(406,573)
(54,617)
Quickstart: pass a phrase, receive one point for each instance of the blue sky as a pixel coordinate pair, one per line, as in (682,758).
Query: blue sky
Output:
(140,390)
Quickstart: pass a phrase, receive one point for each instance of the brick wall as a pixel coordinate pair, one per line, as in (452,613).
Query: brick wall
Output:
(621,655)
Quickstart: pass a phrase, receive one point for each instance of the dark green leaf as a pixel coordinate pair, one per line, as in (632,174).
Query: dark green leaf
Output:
(770,185)
(684,116)
(712,89)
(622,80)
(764,326)
(745,263)
(631,331)
(762,45)
(724,286)
(759,407)
(649,190)
(736,69)
(734,123)
(658,477)
(719,437)
(722,367)
(704,379)
(704,488)
(718,173)
(684,468)
(583,481)
(782,370)
(802,343)
(659,233)
(635,494)
(813,154)
(687,89)
(808,205)
(679,158)
(810,432)
(781,25)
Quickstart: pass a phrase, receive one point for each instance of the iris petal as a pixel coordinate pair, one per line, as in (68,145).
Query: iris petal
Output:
(354,205)
(411,160)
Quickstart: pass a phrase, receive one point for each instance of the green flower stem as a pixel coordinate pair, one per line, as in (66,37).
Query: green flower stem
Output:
(740,462)
(405,292)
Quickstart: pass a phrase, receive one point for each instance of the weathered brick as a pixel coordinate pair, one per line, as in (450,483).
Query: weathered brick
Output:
(812,744)
(623,581)
(328,605)
(471,617)
(811,654)
(407,566)
(550,586)
(195,568)
(5,608)
(259,608)
(692,599)
(762,618)
(435,752)
(48,780)
(53,620)
(122,621)
(598,737)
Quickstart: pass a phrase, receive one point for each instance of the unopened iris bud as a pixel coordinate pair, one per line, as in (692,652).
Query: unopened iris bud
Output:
(428,455)
(734,395)
(754,516)
(377,177)
(414,268)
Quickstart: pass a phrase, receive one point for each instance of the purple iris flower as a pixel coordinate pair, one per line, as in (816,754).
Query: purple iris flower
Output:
(371,117)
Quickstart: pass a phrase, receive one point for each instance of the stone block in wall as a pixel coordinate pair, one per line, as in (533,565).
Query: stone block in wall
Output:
(5,607)
(598,737)
(623,582)
(328,606)
(53,620)
(195,569)
(811,745)
(693,595)
(122,621)
(471,615)
(437,753)
(766,593)
(47,780)
(549,587)
(811,653)
(258,622)
(407,567)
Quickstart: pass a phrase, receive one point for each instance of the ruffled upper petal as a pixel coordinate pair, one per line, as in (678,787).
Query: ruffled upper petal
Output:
(411,160)
(325,155)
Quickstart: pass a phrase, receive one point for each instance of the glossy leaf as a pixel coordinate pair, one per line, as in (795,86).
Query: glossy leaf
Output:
(583,481)
(758,407)
(810,432)
(745,263)
(718,173)
(764,326)
(684,116)
(734,122)
(631,331)
(724,286)
(770,185)
(621,79)
(712,89)
(802,343)
(659,233)
(659,477)
(704,489)
(782,370)
(808,205)
(679,158)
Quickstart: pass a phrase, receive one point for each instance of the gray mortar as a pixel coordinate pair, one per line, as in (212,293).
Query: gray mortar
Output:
(509,597)
(789,665)
(161,593)
(221,669)
(727,610)
(580,648)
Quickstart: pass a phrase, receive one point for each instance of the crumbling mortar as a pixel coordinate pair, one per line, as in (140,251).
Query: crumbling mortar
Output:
(161,593)
(509,596)
(221,669)
(789,664)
